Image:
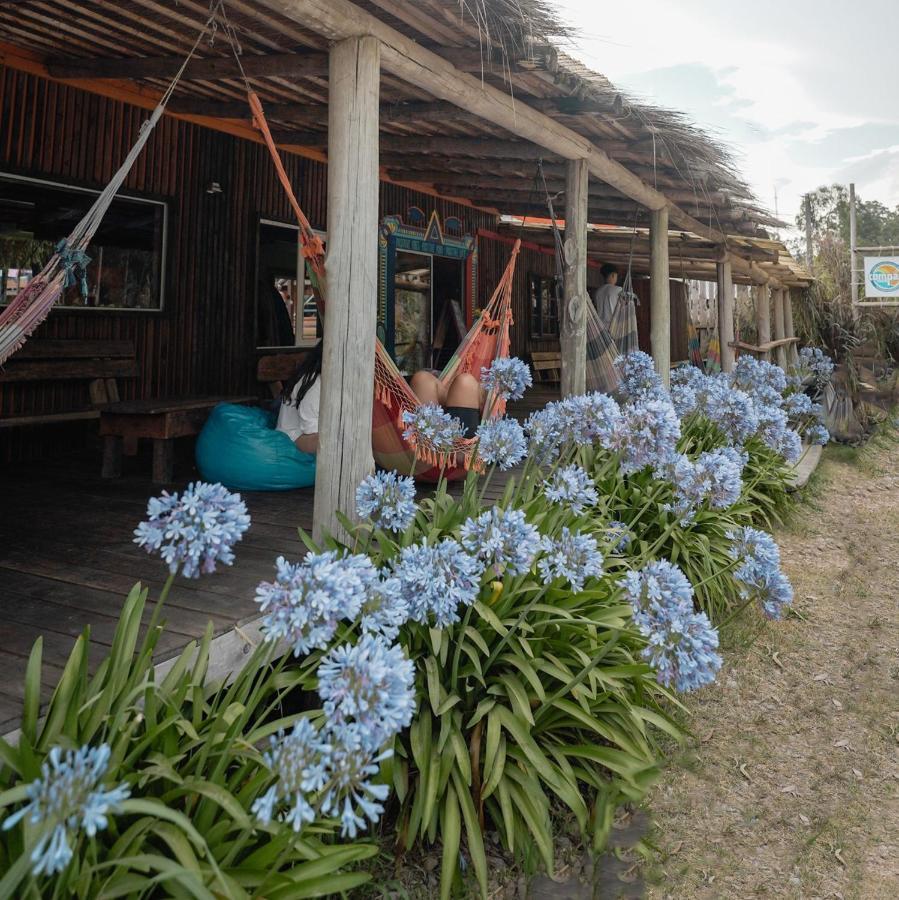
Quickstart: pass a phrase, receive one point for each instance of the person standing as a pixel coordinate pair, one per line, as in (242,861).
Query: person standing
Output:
(606,297)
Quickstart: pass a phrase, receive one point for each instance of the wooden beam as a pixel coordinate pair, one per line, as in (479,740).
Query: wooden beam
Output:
(403,57)
(780,328)
(660,295)
(307,64)
(348,366)
(726,314)
(763,319)
(479,148)
(309,113)
(789,327)
(573,331)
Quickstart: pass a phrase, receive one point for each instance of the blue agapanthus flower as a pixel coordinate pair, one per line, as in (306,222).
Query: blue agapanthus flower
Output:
(436,579)
(571,486)
(714,477)
(586,419)
(385,609)
(546,434)
(371,683)
(815,362)
(762,380)
(758,570)
(305,603)
(195,530)
(507,377)
(687,384)
(572,556)
(501,443)
(648,435)
(300,760)
(620,535)
(639,379)
(817,434)
(503,540)
(388,499)
(795,405)
(729,408)
(352,795)
(681,644)
(430,429)
(68,797)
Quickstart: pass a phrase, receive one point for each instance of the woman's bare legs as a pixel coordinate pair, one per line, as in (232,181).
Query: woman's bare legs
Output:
(465,391)
(427,387)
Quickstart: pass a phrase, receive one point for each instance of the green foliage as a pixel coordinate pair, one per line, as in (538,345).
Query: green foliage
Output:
(189,752)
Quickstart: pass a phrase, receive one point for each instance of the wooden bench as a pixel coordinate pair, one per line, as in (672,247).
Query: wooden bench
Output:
(547,365)
(767,347)
(273,369)
(100,363)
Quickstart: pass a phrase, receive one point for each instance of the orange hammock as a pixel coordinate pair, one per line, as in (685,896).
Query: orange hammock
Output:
(487,340)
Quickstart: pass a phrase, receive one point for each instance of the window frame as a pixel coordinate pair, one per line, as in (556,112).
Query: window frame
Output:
(277,223)
(536,282)
(123,195)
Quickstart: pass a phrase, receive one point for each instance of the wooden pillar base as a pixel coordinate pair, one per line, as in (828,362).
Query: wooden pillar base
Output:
(112,457)
(163,461)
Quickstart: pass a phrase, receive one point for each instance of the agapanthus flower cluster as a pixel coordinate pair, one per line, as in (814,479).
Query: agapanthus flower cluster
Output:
(371,683)
(639,379)
(545,434)
(587,418)
(758,570)
(501,443)
(798,404)
(648,435)
(762,380)
(681,643)
(503,540)
(572,556)
(194,530)
(775,432)
(714,477)
(508,378)
(430,429)
(813,361)
(436,579)
(687,383)
(731,409)
(305,603)
(388,499)
(817,434)
(68,798)
(385,609)
(571,486)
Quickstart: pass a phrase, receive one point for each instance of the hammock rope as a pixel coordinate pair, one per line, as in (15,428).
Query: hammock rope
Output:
(67,266)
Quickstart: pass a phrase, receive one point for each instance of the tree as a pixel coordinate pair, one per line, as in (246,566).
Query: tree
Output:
(878,225)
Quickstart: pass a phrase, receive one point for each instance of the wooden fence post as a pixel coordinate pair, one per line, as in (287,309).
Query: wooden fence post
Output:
(780,328)
(660,293)
(344,454)
(573,336)
(789,327)
(726,313)
(763,318)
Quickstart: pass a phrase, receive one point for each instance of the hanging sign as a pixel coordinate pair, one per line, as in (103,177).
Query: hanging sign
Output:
(882,276)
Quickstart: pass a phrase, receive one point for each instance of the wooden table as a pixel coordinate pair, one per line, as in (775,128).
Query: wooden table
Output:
(159,420)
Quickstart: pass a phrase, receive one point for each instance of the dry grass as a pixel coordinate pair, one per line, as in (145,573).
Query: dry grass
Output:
(791,785)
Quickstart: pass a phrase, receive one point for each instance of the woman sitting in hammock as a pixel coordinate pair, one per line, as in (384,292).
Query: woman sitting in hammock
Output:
(463,399)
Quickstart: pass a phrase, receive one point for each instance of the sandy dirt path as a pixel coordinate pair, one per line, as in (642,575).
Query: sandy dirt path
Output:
(790,786)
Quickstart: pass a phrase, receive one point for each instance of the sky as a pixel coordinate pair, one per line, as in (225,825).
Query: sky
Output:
(805,93)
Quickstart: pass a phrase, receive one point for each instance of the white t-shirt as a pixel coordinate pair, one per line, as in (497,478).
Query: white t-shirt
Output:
(295,422)
(605,299)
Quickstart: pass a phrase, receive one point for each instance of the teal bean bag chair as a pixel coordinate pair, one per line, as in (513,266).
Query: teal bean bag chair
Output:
(240,447)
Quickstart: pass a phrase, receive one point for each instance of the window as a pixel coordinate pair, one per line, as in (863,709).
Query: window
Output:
(544,305)
(127,268)
(286,311)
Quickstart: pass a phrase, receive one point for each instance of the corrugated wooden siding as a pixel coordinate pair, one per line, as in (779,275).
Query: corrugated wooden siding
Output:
(203,342)
(679,317)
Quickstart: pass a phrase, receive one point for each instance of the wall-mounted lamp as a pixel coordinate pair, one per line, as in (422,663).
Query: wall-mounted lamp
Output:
(213,188)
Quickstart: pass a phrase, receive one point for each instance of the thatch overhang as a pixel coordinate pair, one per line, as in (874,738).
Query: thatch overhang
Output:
(131,48)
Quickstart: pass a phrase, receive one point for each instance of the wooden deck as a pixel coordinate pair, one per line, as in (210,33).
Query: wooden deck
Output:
(67,560)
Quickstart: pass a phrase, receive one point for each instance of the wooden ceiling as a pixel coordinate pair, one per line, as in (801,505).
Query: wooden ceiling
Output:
(141,44)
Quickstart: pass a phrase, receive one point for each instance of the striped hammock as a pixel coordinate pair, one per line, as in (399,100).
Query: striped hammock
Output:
(68,264)
(601,372)
(487,340)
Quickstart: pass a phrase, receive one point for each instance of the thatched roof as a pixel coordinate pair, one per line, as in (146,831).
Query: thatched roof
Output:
(514,45)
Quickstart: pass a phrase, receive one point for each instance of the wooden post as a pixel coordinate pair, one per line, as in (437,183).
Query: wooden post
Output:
(780,328)
(763,318)
(809,244)
(573,336)
(660,293)
(348,365)
(726,313)
(789,327)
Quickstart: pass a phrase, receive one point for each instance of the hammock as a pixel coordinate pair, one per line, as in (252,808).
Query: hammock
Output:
(602,351)
(623,327)
(487,340)
(68,264)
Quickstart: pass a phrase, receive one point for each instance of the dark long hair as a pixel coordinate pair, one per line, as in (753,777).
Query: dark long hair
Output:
(307,371)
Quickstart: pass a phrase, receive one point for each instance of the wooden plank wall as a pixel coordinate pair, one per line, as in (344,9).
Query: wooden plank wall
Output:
(679,317)
(203,342)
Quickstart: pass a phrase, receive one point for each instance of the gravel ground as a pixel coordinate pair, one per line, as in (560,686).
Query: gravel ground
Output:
(790,785)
